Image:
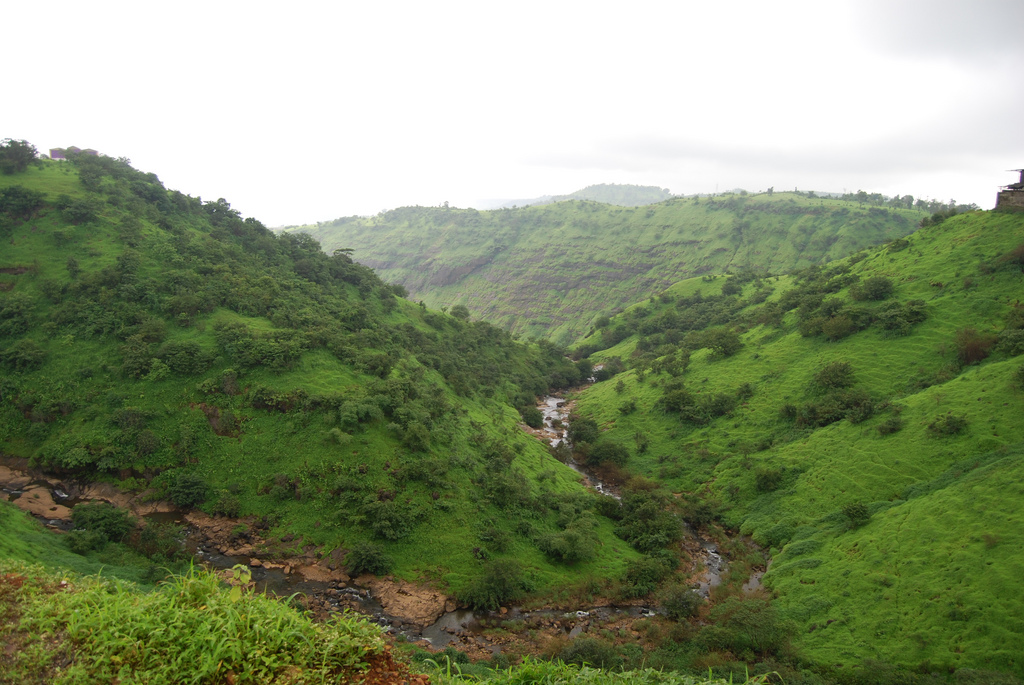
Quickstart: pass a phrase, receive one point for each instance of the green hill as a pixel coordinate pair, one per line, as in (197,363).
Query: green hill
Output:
(152,339)
(863,421)
(623,195)
(551,271)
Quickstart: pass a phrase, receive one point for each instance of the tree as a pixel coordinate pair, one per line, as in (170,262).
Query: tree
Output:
(16,155)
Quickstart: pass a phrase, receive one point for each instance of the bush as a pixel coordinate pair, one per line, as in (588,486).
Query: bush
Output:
(367,557)
(972,347)
(643,575)
(948,424)
(23,355)
(891,425)
(532,417)
(16,155)
(590,651)
(161,539)
(834,375)
(767,480)
(874,288)
(856,514)
(679,602)
(582,430)
(188,490)
(105,520)
(613,452)
(1018,378)
(503,581)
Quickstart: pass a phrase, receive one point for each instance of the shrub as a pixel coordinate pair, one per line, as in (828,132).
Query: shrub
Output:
(972,347)
(834,375)
(679,602)
(609,451)
(188,490)
(891,425)
(948,424)
(367,557)
(745,625)
(838,327)
(503,581)
(643,575)
(227,504)
(856,514)
(582,430)
(767,480)
(105,520)
(874,288)
(532,417)
(160,539)
(24,355)
(590,651)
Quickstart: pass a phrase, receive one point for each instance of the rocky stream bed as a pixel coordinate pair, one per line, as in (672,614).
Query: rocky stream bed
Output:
(285,566)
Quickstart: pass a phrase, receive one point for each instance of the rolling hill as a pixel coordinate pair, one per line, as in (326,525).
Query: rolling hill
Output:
(550,271)
(862,421)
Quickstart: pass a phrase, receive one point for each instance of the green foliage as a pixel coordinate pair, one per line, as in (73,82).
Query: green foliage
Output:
(497,262)
(367,557)
(532,417)
(105,521)
(874,288)
(972,346)
(191,621)
(856,514)
(16,155)
(644,575)
(680,602)
(747,625)
(20,203)
(948,424)
(24,355)
(590,651)
(187,490)
(608,451)
(503,581)
(834,375)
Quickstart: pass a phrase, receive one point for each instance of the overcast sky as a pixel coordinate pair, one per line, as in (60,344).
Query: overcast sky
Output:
(305,111)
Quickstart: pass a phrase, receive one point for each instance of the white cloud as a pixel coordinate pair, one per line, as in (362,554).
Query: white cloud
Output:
(313,110)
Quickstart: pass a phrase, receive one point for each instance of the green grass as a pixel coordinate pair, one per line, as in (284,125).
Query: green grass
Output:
(884,591)
(190,629)
(550,271)
(456,381)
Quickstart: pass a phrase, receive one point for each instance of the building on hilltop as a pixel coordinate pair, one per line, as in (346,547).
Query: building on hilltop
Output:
(63,152)
(1012,196)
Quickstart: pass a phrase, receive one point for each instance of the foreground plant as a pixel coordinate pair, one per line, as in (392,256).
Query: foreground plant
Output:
(189,630)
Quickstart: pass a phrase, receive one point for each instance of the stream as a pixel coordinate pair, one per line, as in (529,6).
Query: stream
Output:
(330,597)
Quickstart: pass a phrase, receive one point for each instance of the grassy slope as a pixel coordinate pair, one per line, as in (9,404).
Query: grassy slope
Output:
(932,576)
(550,271)
(85,372)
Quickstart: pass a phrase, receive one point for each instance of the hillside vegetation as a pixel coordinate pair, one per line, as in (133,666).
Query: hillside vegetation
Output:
(861,420)
(155,340)
(550,271)
(623,195)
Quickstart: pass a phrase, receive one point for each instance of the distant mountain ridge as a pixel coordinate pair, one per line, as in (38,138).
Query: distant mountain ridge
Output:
(551,270)
(623,195)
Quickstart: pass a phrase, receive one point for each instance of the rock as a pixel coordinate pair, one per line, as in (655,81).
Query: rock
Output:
(287,570)
(449,606)
(504,610)
(38,501)
(255,563)
(415,604)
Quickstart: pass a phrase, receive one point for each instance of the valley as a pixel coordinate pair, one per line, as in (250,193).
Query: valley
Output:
(784,440)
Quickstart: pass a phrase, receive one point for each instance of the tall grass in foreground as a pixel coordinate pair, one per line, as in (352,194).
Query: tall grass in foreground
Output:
(188,630)
(532,672)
